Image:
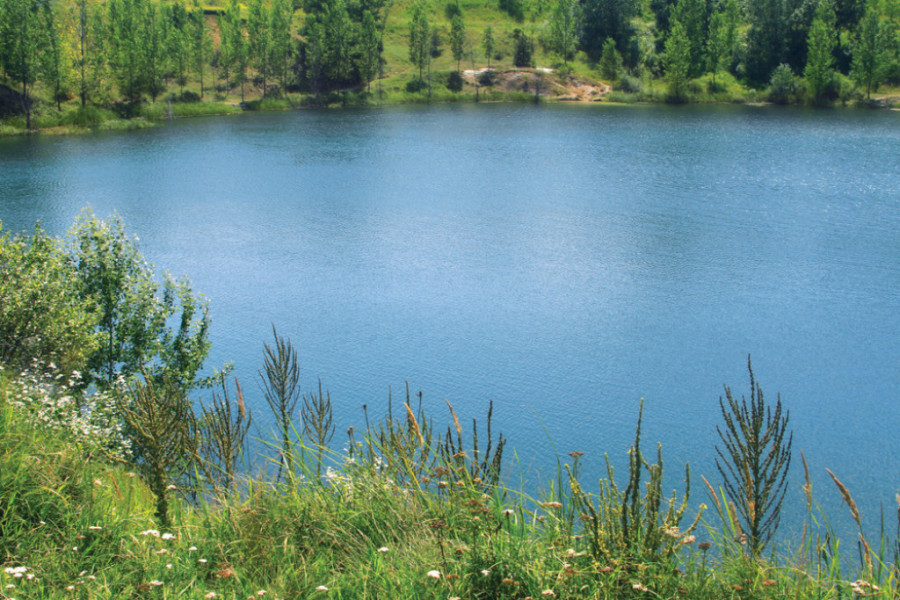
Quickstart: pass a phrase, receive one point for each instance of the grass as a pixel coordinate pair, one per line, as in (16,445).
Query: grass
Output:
(391,517)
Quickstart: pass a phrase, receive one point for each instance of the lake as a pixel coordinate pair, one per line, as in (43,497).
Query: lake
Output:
(564,261)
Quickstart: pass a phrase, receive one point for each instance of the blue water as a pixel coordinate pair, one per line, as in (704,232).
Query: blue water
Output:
(564,261)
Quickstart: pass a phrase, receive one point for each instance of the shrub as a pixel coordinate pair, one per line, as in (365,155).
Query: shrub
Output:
(487,78)
(754,461)
(416,85)
(42,313)
(455,82)
(630,85)
(782,85)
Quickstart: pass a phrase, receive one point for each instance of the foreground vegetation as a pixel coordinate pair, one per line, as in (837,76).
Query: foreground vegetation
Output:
(67,65)
(125,472)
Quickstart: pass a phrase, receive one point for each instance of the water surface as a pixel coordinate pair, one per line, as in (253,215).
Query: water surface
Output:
(564,261)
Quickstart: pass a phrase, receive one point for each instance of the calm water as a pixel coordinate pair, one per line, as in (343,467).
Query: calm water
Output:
(565,261)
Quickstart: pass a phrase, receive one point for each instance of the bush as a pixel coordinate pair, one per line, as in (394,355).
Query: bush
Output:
(630,85)
(782,85)
(487,78)
(416,85)
(189,97)
(455,82)
(451,10)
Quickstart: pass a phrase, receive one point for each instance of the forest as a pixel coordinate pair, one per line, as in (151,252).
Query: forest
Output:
(118,54)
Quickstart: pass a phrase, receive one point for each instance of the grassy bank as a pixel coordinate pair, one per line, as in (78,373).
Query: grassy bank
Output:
(406,511)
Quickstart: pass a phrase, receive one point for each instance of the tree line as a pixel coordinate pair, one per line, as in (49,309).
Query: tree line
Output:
(122,51)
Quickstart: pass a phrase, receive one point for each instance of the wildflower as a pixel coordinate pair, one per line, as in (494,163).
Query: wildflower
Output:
(704,546)
(70,587)
(768,582)
(261,593)
(321,588)
(211,595)
(161,551)
(672,531)
(509,512)
(168,536)
(639,587)
(383,549)
(434,574)
(171,487)
(689,539)
(156,583)
(225,573)
(10,586)
(192,549)
(202,561)
(95,528)
(548,593)
(453,598)
(169,566)
(485,572)
(577,454)
(551,504)
(152,532)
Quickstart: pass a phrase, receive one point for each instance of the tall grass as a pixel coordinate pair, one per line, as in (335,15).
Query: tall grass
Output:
(403,512)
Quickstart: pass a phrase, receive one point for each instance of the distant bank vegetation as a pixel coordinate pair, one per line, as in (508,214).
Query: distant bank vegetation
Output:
(81,63)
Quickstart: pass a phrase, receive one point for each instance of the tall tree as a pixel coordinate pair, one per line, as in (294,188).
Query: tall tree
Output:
(280,44)
(458,38)
(337,42)
(88,55)
(369,54)
(233,47)
(259,35)
(678,59)
(418,38)
(871,52)
(692,16)
(819,71)
(22,39)
(201,43)
(124,42)
(487,44)
(765,38)
(717,53)
(178,41)
(564,29)
(154,30)
(55,60)
(601,19)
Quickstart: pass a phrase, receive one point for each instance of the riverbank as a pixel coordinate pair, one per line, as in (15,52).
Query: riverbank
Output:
(540,84)
(386,519)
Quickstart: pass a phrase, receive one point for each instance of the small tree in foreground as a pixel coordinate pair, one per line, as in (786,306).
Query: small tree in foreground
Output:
(754,461)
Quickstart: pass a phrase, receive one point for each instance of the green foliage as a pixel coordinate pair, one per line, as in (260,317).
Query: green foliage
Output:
(161,425)
(678,61)
(871,52)
(610,61)
(369,49)
(318,423)
(563,29)
(691,14)
(601,19)
(457,39)
(22,40)
(223,438)
(43,316)
(280,378)
(454,81)
(627,528)
(419,37)
(783,86)
(487,78)
(754,461)
(133,310)
(523,48)
(487,43)
(819,71)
